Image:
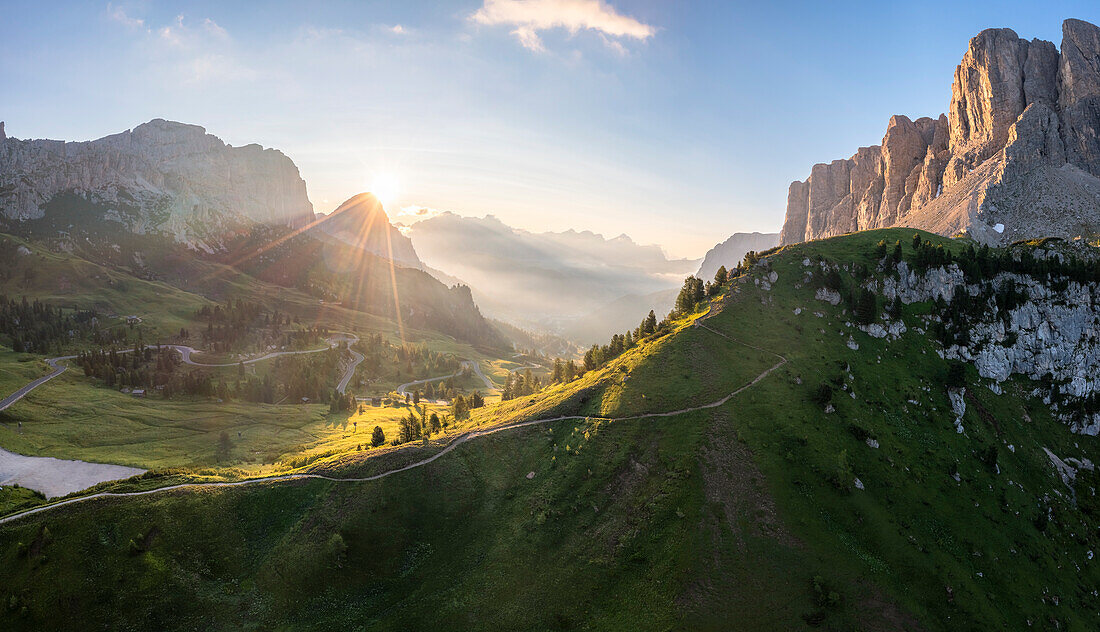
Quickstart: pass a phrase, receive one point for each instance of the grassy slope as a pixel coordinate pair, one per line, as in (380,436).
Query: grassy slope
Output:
(72,417)
(719,519)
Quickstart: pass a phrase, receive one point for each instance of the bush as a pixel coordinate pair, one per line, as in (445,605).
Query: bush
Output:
(823,394)
(956,374)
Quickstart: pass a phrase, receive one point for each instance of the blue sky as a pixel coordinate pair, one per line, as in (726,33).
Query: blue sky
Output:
(674,122)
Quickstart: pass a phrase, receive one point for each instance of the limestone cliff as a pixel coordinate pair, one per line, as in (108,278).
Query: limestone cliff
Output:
(1017,154)
(160,176)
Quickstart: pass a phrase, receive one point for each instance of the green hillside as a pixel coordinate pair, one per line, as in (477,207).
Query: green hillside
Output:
(830,491)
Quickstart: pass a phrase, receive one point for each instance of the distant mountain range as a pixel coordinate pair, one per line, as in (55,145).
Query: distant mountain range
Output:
(557,281)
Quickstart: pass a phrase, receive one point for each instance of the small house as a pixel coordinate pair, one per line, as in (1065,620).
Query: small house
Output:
(138,392)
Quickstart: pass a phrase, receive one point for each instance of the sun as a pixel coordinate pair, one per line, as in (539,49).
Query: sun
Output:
(385,187)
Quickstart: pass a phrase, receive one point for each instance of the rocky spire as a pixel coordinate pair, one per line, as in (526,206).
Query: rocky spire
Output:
(1019,111)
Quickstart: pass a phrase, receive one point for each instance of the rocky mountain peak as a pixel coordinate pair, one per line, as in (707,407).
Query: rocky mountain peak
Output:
(1017,154)
(160,176)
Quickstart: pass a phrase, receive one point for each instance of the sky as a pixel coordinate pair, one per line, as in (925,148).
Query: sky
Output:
(677,123)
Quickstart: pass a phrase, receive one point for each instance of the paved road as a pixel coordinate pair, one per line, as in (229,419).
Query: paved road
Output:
(185,353)
(58,369)
(60,477)
(488,383)
(350,371)
(456,441)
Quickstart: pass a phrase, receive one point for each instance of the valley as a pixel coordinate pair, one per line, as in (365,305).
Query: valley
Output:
(506,325)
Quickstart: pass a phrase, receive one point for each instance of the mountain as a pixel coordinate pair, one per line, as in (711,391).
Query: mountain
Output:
(730,252)
(169,202)
(362,222)
(617,316)
(839,439)
(1016,156)
(162,176)
(543,278)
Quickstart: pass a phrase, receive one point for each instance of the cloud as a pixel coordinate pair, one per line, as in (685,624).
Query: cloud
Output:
(529,17)
(409,215)
(118,14)
(397,29)
(186,51)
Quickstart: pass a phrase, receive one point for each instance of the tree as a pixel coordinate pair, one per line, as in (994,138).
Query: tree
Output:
(459,409)
(558,374)
(956,374)
(866,306)
(477,400)
(916,242)
(721,276)
(225,446)
(416,398)
(690,295)
(433,423)
(377,437)
(649,325)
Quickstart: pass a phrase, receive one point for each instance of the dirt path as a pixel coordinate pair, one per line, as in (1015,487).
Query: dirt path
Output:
(455,442)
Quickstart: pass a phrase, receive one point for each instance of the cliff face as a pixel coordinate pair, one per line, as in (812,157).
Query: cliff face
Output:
(730,252)
(160,176)
(1017,155)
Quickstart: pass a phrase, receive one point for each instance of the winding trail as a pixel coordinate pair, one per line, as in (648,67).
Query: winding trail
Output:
(455,442)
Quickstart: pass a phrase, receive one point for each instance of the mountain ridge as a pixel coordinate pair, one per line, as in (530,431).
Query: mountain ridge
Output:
(160,176)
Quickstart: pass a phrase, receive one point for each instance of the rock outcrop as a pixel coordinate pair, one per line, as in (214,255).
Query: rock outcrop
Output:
(160,176)
(1050,337)
(1017,155)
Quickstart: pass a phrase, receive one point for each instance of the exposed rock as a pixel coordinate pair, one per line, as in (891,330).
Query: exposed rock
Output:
(1079,93)
(1053,337)
(831,297)
(1019,149)
(162,175)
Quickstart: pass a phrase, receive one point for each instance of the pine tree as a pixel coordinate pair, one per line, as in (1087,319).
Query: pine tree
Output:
(721,276)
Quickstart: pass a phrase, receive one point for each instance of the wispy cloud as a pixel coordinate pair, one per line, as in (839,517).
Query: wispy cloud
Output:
(199,52)
(408,215)
(118,14)
(529,17)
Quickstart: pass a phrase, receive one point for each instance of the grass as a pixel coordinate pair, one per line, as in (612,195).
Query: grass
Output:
(744,516)
(69,418)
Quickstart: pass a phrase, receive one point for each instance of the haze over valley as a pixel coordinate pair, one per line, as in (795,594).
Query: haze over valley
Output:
(507,314)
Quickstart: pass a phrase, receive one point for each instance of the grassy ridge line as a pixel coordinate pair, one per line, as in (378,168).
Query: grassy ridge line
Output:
(457,441)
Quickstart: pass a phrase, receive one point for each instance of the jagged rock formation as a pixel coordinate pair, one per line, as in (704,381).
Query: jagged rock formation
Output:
(731,251)
(362,222)
(1050,337)
(160,176)
(1017,155)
